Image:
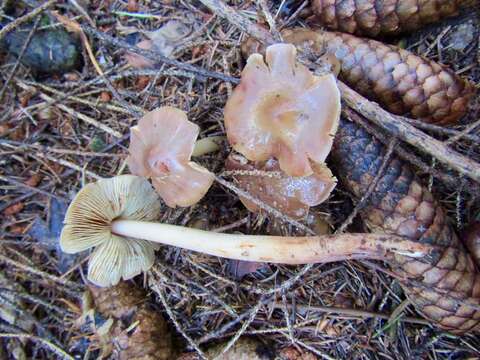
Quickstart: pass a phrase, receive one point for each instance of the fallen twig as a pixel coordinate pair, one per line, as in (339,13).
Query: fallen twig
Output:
(37,190)
(402,153)
(444,131)
(72,112)
(356,313)
(154,285)
(65,283)
(54,348)
(155,56)
(219,8)
(397,126)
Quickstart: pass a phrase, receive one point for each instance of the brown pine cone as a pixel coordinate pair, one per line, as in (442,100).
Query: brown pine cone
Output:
(148,339)
(383,17)
(441,286)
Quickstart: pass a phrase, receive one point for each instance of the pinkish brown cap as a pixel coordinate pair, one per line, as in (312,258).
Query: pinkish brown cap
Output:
(160,148)
(280,109)
(292,196)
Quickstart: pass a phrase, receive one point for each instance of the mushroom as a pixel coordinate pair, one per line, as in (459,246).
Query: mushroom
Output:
(160,148)
(207,145)
(280,109)
(292,196)
(114,215)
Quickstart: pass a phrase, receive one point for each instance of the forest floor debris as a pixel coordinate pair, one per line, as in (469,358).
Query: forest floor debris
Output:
(339,310)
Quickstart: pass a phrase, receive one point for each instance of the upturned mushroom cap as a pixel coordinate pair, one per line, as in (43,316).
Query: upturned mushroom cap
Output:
(292,196)
(280,109)
(88,224)
(160,148)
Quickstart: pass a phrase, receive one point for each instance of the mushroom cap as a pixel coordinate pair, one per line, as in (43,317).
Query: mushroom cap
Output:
(160,148)
(88,224)
(292,196)
(280,109)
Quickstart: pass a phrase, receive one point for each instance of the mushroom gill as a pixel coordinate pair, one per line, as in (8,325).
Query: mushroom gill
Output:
(88,225)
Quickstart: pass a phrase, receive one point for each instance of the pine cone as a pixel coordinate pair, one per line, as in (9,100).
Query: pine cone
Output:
(375,18)
(441,286)
(149,338)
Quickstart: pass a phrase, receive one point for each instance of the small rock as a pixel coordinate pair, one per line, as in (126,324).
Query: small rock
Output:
(462,36)
(49,51)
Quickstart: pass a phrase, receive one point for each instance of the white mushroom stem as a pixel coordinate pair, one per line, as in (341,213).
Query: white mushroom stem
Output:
(207,145)
(273,249)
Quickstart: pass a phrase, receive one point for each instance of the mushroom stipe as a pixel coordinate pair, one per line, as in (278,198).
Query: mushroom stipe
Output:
(115,215)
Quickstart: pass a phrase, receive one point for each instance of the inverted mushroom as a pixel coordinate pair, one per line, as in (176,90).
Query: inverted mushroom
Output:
(114,216)
(292,196)
(280,109)
(160,148)
(115,257)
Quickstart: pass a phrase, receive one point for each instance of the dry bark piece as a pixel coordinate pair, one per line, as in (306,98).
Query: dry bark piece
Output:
(160,148)
(448,282)
(281,110)
(400,81)
(10,302)
(137,331)
(471,239)
(292,196)
(115,257)
(387,17)
(163,40)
